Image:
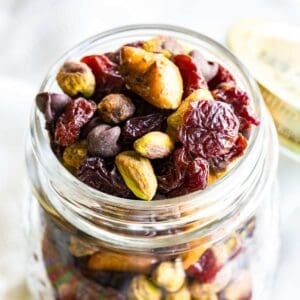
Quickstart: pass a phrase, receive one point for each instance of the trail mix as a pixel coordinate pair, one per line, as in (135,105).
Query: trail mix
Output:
(80,269)
(151,120)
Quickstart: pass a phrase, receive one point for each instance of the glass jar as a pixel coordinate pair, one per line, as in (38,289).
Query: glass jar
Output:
(221,242)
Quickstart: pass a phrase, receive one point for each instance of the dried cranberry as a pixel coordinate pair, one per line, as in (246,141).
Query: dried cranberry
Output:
(136,127)
(103,176)
(191,75)
(209,129)
(76,114)
(221,162)
(172,170)
(196,176)
(181,174)
(108,77)
(223,75)
(231,94)
(206,268)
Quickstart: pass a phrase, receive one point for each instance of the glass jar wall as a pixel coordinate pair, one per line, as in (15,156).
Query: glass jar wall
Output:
(220,243)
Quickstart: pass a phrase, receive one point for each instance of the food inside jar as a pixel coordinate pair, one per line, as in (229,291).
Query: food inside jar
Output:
(80,268)
(151,120)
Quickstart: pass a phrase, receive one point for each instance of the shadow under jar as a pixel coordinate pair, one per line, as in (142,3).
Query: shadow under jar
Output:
(219,243)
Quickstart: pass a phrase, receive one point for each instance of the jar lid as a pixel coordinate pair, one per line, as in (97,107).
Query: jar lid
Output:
(271,50)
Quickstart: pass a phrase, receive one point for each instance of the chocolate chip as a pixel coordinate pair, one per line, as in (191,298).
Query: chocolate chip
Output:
(103,141)
(52,104)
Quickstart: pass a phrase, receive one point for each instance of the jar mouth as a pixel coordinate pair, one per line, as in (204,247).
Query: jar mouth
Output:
(54,167)
(109,218)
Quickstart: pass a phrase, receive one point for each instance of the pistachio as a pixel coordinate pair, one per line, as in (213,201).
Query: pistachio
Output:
(137,173)
(165,45)
(202,291)
(182,294)
(115,108)
(76,78)
(74,154)
(79,248)
(175,119)
(152,76)
(103,141)
(169,275)
(141,288)
(154,144)
(118,262)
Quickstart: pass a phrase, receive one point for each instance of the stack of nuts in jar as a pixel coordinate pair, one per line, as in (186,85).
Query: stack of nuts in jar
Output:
(150,121)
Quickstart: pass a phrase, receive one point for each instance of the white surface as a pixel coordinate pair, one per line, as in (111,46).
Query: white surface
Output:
(36,32)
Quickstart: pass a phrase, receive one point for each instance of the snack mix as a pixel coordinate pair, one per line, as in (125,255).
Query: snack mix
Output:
(150,121)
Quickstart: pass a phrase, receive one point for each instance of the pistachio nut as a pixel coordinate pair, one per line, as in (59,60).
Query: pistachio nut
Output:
(141,288)
(74,154)
(169,275)
(165,45)
(154,144)
(152,76)
(182,294)
(202,291)
(119,262)
(176,118)
(115,108)
(137,173)
(76,78)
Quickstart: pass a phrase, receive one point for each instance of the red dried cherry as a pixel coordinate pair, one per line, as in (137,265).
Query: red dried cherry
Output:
(76,114)
(181,174)
(192,76)
(220,163)
(206,268)
(108,77)
(231,94)
(103,176)
(223,75)
(210,128)
(136,127)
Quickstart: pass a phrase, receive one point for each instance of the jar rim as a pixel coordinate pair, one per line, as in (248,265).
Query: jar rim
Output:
(197,203)
(64,173)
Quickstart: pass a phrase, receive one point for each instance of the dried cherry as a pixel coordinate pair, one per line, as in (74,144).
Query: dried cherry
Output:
(103,175)
(181,174)
(76,114)
(172,170)
(220,163)
(192,76)
(223,75)
(136,127)
(206,268)
(196,176)
(231,94)
(210,128)
(108,77)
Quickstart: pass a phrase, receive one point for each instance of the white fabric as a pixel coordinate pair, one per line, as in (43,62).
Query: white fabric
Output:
(34,33)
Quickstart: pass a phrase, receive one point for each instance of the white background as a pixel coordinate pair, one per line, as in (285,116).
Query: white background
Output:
(34,33)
